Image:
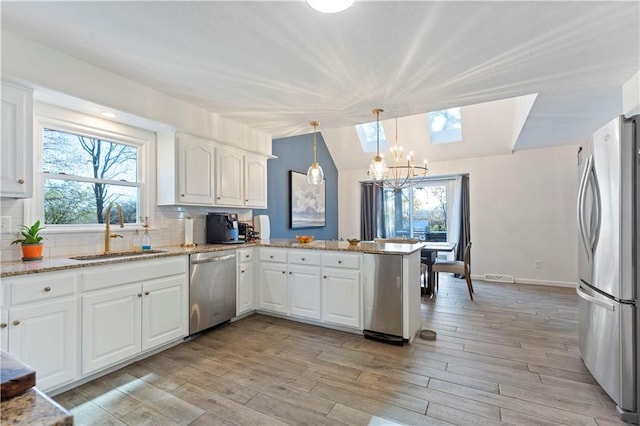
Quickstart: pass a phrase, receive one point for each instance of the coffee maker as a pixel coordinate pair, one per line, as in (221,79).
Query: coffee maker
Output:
(222,228)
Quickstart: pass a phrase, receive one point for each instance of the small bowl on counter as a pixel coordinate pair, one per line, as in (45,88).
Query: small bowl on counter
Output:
(353,242)
(304,239)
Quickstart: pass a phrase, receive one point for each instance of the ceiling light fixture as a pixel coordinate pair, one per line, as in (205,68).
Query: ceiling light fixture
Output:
(108,114)
(402,172)
(378,168)
(330,6)
(315,175)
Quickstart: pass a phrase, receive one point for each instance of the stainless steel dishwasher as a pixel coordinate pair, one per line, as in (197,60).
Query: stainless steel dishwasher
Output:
(212,289)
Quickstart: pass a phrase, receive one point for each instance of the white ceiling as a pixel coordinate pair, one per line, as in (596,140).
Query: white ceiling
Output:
(275,66)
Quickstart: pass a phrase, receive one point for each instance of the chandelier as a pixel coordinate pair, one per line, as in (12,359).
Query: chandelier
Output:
(400,173)
(315,175)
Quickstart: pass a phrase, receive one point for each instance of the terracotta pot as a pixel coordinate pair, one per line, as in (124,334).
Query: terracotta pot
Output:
(32,251)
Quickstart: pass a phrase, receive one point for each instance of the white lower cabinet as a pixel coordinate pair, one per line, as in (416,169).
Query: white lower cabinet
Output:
(44,336)
(341,297)
(144,311)
(273,287)
(304,291)
(40,325)
(245,295)
(111,329)
(319,285)
(163,315)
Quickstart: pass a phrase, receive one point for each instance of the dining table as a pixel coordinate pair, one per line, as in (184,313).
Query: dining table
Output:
(428,254)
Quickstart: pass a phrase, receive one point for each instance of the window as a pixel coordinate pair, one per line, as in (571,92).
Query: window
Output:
(445,126)
(368,135)
(84,165)
(419,212)
(83,174)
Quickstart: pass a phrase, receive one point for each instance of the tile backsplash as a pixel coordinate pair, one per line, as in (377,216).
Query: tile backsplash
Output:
(166,229)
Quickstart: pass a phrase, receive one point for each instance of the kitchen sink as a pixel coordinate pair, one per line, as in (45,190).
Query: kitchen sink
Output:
(116,254)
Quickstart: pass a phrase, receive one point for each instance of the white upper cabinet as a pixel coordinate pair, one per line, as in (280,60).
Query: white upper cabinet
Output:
(196,171)
(16,159)
(255,181)
(229,177)
(185,170)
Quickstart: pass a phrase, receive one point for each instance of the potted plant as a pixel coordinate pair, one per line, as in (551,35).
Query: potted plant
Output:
(31,241)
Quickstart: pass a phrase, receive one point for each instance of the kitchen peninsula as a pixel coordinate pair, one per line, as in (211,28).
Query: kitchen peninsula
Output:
(322,283)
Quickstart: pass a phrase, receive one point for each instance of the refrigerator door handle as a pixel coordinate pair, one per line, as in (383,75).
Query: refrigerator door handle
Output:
(594,300)
(595,225)
(584,181)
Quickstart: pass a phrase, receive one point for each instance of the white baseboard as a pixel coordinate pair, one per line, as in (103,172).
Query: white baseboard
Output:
(545,282)
(507,280)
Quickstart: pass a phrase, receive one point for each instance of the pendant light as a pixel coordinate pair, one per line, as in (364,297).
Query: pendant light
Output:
(330,6)
(378,168)
(315,175)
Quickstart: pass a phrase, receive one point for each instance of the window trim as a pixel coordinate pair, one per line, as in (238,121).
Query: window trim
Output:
(56,118)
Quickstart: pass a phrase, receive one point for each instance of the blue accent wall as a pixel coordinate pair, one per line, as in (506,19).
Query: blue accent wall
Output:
(296,153)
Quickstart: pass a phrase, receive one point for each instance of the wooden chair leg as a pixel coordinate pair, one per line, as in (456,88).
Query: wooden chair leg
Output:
(469,285)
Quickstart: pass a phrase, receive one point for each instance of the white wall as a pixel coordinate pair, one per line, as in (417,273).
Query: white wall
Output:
(522,210)
(40,67)
(631,96)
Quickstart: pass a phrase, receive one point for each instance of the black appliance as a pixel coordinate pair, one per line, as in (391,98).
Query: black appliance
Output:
(222,228)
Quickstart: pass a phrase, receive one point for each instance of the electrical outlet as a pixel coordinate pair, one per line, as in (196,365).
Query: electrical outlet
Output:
(5,224)
(538,264)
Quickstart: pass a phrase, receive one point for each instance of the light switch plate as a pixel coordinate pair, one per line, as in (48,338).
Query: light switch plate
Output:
(5,224)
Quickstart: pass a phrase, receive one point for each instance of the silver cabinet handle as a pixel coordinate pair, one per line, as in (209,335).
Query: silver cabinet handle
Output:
(47,289)
(3,325)
(139,294)
(146,293)
(214,259)
(21,181)
(16,322)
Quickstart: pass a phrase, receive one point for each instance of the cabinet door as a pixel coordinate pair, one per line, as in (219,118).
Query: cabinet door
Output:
(304,291)
(229,174)
(16,159)
(195,172)
(341,297)
(111,326)
(273,287)
(45,337)
(246,288)
(164,311)
(255,181)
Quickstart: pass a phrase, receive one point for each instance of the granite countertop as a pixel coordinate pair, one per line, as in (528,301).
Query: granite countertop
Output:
(33,408)
(362,247)
(10,269)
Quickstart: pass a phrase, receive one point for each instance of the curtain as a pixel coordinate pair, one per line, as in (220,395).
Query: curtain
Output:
(465,219)
(453,219)
(371,207)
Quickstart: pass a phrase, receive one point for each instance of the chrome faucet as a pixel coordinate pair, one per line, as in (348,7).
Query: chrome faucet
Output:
(107,232)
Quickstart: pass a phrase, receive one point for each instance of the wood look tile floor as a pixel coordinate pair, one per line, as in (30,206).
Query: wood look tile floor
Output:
(510,357)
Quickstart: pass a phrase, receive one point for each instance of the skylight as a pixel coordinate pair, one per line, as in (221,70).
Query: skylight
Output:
(445,126)
(367,133)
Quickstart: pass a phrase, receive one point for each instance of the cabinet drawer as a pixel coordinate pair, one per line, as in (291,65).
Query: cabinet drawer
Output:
(273,255)
(341,260)
(100,277)
(245,255)
(304,257)
(40,287)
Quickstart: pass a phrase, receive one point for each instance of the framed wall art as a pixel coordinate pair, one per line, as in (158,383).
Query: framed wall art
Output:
(307,203)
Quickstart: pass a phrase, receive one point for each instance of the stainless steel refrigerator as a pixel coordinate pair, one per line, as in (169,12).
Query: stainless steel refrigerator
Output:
(608,223)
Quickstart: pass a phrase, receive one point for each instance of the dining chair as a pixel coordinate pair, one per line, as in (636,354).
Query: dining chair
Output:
(457,267)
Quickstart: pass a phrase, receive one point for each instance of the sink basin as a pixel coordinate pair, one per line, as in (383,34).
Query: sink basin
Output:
(116,254)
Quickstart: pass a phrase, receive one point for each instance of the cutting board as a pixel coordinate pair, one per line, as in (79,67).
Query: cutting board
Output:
(15,377)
